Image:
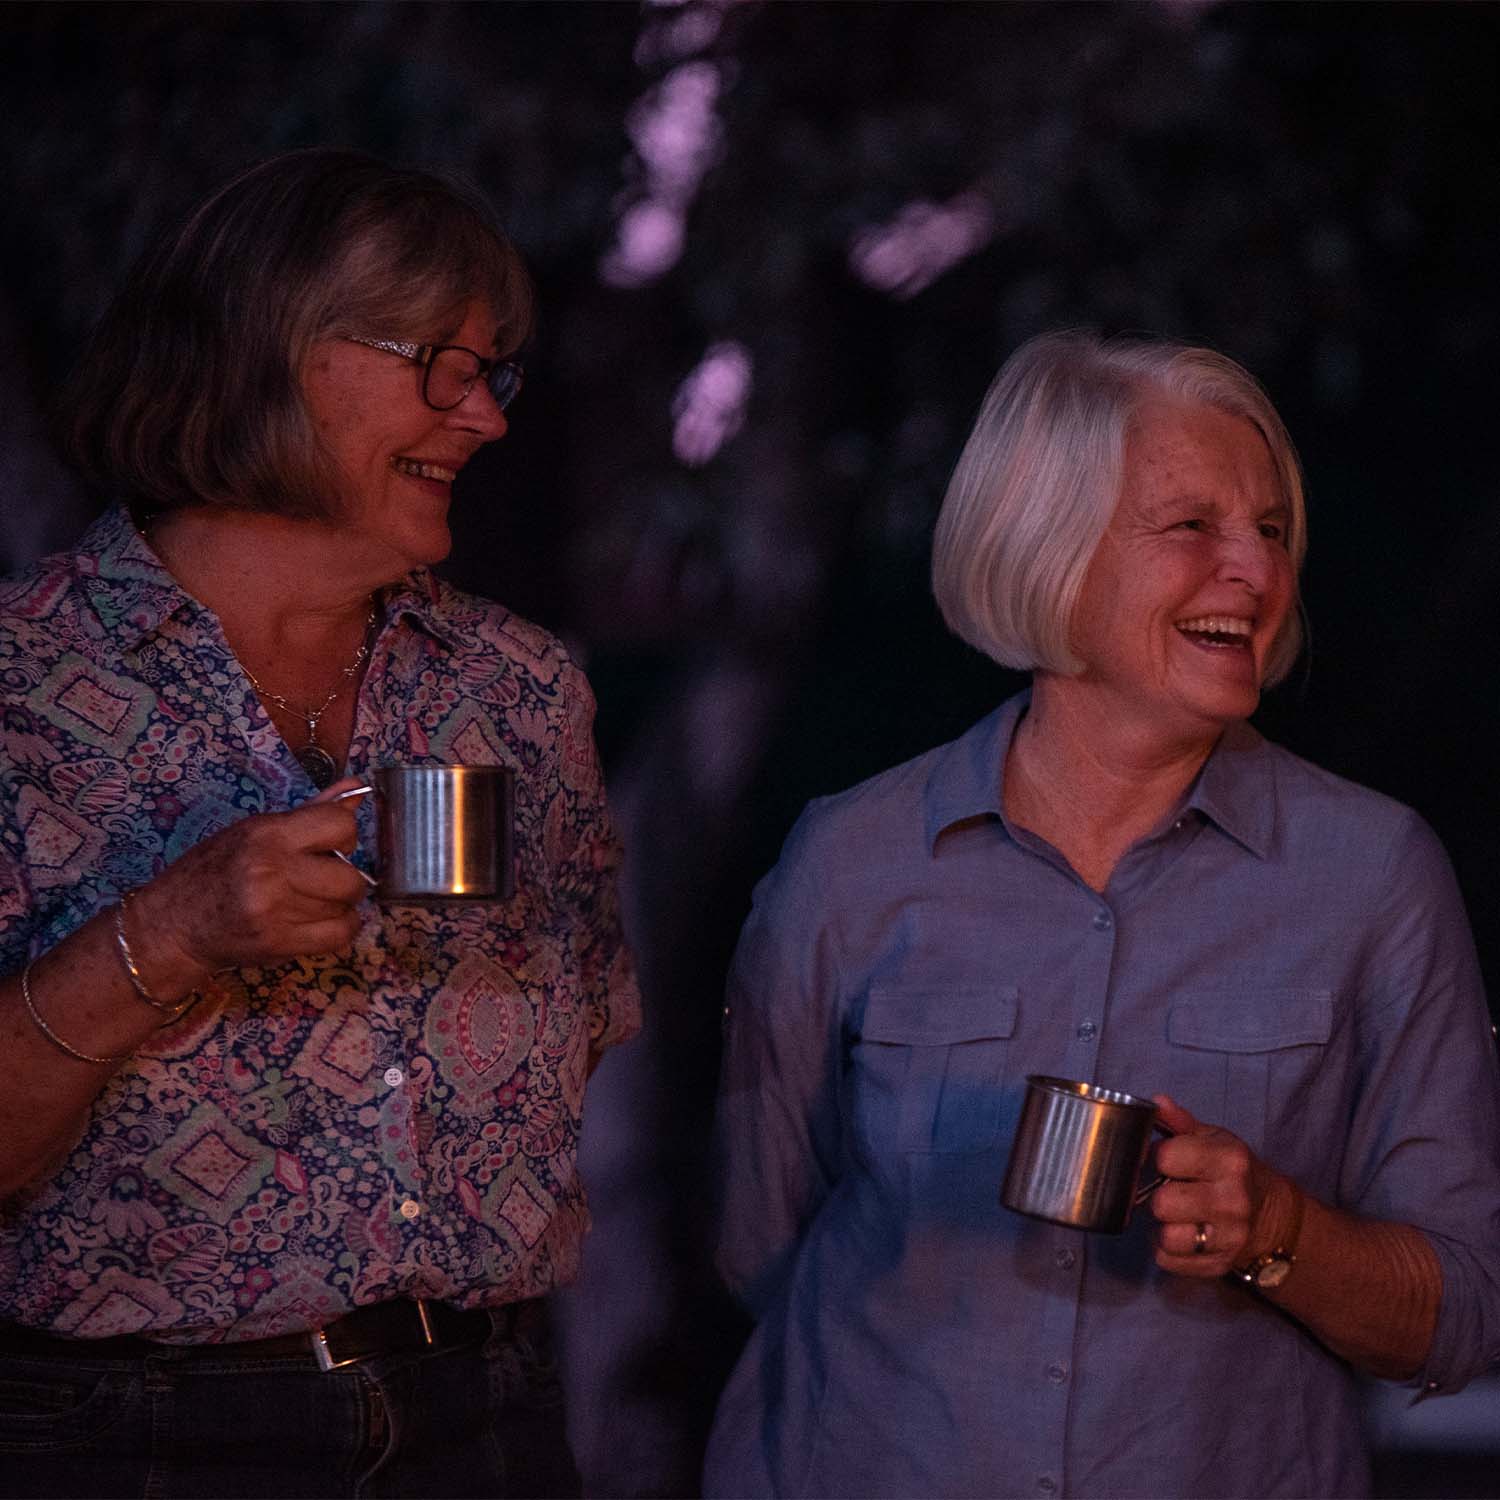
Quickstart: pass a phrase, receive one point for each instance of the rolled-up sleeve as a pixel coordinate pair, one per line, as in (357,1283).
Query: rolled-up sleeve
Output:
(1424,1142)
(779,1116)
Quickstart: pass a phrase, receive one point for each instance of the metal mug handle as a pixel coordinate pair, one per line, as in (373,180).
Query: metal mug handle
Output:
(1147,1188)
(355,791)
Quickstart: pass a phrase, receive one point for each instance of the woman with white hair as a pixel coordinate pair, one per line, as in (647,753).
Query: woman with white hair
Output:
(1111,878)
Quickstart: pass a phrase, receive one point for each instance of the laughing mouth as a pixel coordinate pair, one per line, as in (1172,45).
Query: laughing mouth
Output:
(1231,632)
(420,470)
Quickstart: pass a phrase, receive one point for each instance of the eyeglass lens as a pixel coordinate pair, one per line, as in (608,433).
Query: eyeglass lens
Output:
(453,371)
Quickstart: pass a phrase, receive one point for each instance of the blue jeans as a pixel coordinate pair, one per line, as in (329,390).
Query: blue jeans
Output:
(481,1421)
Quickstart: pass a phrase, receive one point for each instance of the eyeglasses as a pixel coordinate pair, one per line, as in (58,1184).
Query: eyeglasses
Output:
(449,371)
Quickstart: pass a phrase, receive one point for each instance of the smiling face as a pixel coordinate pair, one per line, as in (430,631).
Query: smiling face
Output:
(1191,582)
(398,457)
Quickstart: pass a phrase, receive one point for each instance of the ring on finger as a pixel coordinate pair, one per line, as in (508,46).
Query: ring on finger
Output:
(1200,1239)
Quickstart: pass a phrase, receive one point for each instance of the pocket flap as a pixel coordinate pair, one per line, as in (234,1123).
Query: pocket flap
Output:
(1251,1020)
(939,1016)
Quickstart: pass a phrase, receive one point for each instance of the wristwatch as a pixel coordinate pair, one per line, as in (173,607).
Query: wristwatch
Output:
(1268,1271)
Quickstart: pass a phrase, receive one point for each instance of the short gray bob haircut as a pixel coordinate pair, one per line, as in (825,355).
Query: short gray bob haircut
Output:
(1039,477)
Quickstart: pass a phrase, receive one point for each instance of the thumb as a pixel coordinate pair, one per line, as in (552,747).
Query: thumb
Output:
(1174,1117)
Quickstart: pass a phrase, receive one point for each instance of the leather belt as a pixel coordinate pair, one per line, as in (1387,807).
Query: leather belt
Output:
(404,1326)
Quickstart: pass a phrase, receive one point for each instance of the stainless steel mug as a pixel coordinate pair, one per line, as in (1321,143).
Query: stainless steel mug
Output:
(1077,1154)
(445,833)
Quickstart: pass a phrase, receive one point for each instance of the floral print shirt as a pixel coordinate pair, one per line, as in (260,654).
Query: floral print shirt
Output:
(398,1120)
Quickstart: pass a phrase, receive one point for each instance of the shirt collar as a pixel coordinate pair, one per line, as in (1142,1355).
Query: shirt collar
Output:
(127,584)
(1235,789)
(967,778)
(422,597)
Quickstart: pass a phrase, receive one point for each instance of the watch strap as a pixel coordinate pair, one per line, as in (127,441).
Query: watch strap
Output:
(1271,1269)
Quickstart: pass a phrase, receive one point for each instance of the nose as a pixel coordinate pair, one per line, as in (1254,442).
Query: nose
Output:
(480,414)
(1248,558)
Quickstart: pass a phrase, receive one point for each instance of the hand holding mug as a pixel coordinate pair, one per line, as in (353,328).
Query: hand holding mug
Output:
(1211,1204)
(260,891)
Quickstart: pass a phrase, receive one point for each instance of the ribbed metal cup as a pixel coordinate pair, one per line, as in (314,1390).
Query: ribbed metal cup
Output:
(446,833)
(1077,1154)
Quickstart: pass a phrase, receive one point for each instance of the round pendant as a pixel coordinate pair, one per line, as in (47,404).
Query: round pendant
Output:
(319,764)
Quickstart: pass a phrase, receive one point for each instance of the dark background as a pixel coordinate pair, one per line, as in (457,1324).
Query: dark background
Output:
(843,217)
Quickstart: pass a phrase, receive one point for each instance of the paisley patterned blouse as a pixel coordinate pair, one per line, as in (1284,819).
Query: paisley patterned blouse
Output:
(400,1120)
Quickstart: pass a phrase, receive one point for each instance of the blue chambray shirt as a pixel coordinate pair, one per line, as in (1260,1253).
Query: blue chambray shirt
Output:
(1288,956)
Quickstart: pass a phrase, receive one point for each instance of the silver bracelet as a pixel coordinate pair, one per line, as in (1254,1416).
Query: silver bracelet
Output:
(51,1035)
(128,959)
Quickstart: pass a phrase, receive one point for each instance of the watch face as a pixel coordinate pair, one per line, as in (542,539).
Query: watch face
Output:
(1273,1273)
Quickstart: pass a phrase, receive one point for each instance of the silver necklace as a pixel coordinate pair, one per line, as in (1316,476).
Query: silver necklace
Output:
(320,766)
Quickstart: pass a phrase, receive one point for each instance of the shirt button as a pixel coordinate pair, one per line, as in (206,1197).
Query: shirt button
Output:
(1057,1373)
(411,1209)
(1047,1484)
(1102,921)
(1087,1031)
(1066,1259)
(395,1077)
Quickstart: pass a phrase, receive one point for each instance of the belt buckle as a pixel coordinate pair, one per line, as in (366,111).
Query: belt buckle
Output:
(327,1361)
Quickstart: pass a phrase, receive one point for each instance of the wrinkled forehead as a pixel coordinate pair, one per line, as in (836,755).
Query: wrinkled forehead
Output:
(1167,439)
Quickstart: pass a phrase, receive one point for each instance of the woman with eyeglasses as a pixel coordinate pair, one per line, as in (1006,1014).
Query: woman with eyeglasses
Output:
(284,1173)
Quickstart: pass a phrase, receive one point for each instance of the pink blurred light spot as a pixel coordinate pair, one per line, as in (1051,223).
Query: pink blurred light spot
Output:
(677,136)
(682,31)
(921,243)
(674,128)
(709,407)
(649,243)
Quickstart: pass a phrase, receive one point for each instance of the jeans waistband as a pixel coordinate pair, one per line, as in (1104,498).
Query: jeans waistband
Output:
(404,1325)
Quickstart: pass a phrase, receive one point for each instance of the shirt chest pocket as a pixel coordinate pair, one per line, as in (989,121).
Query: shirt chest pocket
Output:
(929,1066)
(1243,1058)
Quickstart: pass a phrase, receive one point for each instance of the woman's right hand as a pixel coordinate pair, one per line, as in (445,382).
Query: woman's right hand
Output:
(266,889)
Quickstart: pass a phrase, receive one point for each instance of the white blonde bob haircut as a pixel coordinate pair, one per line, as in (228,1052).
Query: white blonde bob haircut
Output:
(1042,470)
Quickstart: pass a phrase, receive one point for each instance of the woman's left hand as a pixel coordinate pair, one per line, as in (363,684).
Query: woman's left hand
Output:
(1209,1208)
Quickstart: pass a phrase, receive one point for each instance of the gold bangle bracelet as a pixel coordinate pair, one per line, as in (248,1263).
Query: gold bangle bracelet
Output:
(51,1035)
(131,969)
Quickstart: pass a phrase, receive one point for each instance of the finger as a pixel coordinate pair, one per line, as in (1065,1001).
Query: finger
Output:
(1184,1158)
(1194,1237)
(1205,1154)
(1181,1202)
(1210,1266)
(320,826)
(307,911)
(332,935)
(1172,1115)
(323,877)
(1203,1247)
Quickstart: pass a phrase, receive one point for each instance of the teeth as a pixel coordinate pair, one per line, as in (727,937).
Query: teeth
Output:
(1217,625)
(424,471)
